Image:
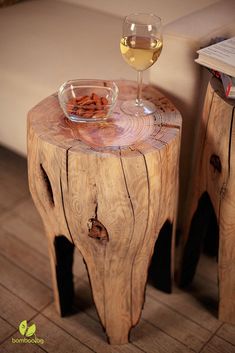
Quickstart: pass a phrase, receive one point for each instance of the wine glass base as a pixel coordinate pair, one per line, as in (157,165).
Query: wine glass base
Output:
(132,108)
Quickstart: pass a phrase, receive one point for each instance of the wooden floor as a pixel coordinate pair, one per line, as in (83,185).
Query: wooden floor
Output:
(180,322)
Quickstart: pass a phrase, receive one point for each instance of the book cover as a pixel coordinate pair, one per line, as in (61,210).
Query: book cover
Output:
(219,56)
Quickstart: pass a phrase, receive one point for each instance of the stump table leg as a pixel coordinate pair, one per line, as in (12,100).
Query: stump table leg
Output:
(118,284)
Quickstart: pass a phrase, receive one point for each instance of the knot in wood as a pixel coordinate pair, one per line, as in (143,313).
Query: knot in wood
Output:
(216,163)
(97,230)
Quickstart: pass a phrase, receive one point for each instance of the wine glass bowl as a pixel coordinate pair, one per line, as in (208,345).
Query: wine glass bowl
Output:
(141,46)
(140,52)
(88,100)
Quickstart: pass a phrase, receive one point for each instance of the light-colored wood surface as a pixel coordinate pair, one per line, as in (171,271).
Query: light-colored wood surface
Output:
(215,175)
(108,188)
(152,335)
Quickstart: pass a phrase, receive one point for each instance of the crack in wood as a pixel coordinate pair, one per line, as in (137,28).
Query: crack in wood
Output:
(224,185)
(63,206)
(67,166)
(131,237)
(128,194)
(132,268)
(171,125)
(207,124)
(96,229)
(96,210)
(159,140)
(147,175)
(230,141)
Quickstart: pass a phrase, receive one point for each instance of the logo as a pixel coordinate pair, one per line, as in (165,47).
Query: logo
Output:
(25,330)
(28,332)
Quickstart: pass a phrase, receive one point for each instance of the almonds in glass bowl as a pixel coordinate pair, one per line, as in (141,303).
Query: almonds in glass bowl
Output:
(88,100)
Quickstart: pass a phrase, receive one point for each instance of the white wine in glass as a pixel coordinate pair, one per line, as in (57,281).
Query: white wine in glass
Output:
(141,45)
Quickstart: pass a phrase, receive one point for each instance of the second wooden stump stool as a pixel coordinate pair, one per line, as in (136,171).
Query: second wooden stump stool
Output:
(109,202)
(211,208)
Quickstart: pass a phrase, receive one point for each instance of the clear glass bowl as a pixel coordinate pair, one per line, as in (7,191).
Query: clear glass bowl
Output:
(88,100)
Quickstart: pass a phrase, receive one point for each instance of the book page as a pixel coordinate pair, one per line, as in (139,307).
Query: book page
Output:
(224,51)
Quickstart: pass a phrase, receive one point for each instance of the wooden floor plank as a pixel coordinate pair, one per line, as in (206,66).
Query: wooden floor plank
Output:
(5,329)
(218,345)
(13,309)
(25,232)
(13,179)
(227,332)
(79,268)
(25,257)
(83,298)
(199,303)
(208,268)
(23,285)
(8,198)
(151,339)
(12,163)
(56,339)
(3,349)
(27,227)
(9,347)
(87,330)
(28,213)
(189,333)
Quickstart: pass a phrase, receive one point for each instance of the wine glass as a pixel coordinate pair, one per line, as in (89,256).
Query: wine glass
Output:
(141,45)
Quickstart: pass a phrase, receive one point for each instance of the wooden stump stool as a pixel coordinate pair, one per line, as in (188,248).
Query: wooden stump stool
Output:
(107,189)
(211,210)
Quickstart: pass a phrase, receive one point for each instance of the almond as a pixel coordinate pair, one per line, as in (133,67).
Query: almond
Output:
(104,100)
(88,106)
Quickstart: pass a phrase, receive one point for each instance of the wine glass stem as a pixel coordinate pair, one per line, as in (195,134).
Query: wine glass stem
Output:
(139,88)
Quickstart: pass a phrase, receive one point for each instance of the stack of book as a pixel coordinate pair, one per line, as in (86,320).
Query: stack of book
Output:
(220,58)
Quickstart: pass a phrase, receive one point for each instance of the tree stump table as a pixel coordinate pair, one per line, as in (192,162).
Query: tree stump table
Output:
(211,208)
(106,188)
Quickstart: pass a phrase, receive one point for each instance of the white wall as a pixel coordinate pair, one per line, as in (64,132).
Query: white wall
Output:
(168,10)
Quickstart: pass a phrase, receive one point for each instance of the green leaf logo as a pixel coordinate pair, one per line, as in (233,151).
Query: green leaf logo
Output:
(31,330)
(25,330)
(23,327)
